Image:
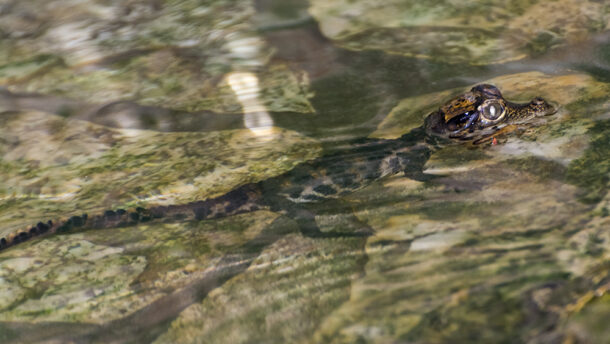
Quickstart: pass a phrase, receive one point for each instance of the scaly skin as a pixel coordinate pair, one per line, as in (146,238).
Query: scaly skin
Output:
(474,116)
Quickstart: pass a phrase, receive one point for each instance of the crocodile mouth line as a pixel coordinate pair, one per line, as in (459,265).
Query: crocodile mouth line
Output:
(462,122)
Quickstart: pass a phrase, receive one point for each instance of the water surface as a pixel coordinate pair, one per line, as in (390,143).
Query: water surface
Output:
(111,105)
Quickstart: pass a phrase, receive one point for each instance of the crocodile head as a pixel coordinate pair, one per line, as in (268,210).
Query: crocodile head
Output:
(482,113)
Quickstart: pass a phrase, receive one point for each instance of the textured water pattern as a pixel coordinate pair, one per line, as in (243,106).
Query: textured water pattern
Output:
(110,104)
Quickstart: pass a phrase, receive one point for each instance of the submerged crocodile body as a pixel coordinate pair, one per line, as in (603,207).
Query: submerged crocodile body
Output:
(475,116)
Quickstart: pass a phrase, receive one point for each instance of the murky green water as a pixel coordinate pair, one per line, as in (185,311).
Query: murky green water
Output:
(117,105)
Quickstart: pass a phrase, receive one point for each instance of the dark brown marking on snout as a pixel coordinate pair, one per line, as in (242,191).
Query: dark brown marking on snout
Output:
(464,103)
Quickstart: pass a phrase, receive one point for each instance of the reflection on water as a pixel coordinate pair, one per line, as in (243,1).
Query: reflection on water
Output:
(147,103)
(247,91)
(247,53)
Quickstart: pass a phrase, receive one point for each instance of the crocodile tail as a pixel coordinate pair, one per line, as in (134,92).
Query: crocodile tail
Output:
(243,199)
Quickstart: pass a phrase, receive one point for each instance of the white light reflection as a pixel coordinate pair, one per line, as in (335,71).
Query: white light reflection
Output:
(256,118)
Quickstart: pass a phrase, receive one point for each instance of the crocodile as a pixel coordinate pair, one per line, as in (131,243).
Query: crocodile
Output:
(477,116)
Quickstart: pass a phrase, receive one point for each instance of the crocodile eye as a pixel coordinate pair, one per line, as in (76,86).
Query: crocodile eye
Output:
(492,111)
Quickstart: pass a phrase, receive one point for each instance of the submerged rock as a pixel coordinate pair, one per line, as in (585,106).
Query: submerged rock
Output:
(464,257)
(171,54)
(100,276)
(67,278)
(283,296)
(467,32)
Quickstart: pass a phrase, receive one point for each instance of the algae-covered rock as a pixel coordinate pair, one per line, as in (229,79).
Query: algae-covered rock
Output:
(54,167)
(589,326)
(172,54)
(67,278)
(592,170)
(99,276)
(466,257)
(470,32)
(283,297)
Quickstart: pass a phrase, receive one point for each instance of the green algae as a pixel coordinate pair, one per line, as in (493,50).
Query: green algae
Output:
(175,55)
(489,316)
(98,276)
(47,281)
(283,296)
(458,156)
(7,334)
(589,325)
(468,32)
(19,71)
(592,171)
(425,284)
(178,253)
(539,168)
(168,80)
